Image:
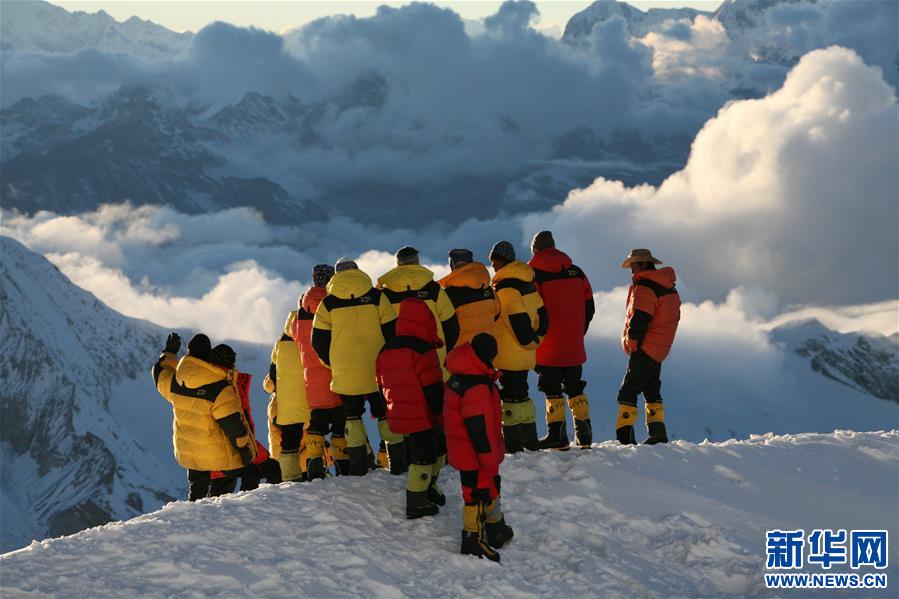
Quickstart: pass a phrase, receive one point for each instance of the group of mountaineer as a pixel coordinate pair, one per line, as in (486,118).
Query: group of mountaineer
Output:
(443,366)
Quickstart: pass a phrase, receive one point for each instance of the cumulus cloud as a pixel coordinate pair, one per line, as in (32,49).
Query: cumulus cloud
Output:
(792,193)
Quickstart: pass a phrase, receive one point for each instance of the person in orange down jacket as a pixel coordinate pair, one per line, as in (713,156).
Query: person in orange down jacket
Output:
(468,287)
(474,438)
(653,312)
(411,379)
(325,405)
(568,299)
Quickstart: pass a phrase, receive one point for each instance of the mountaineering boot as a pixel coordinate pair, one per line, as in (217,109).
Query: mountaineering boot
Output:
(290,466)
(624,426)
(382,460)
(315,456)
(473,542)
(529,426)
(435,493)
(655,423)
(580,410)
(356,446)
(370,458)
(556,429)
(417,504)
(497,531)
(339,455)
(396,448)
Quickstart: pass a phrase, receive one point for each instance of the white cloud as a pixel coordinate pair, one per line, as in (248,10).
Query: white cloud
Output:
(793,193)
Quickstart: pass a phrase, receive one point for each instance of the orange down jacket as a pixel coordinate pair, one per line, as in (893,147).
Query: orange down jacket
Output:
(474,300)
(653,312)
(316,374)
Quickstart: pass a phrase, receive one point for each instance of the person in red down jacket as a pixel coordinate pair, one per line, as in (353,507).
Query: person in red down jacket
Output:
(474,439)
(325,406)
(263,466)
(653,313)
(568,299)
(411,379)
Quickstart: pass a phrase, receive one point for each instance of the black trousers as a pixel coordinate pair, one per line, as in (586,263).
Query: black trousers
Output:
(423,447)
(327,420)
(643,376)
(553,381)
(269,471)
(201,485)
(291,437)
(513,384)
(354,405)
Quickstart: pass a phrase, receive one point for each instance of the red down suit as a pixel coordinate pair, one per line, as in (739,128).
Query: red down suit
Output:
(568,299)
(471,404)
(409,371)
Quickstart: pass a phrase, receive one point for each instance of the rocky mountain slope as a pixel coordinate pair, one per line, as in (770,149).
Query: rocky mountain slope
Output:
(85,438)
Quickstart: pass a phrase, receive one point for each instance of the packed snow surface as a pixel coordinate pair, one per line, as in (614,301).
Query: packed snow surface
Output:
(684,519)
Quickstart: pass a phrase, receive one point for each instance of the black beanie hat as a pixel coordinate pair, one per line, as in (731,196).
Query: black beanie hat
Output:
(503,250)
(200,347)
(484,345)
(457,255)
(223,355)
(406,255)
(321,274)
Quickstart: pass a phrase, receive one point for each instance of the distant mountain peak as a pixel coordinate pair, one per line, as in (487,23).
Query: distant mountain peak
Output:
(580,26)
(44,27)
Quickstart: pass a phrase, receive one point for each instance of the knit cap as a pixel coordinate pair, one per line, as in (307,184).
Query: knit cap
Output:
(406,255)
(223,355)
(321,274)
(345,264)
(457,255)
(503,250)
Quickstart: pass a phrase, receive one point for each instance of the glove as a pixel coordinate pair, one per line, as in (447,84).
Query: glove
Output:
(246,456)
(173,343)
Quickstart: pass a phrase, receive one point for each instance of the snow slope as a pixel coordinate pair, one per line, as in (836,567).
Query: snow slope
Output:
(678,520)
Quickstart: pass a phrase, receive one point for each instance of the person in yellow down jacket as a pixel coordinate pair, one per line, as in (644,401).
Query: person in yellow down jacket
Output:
(468,288)
(286,375)
(349,329)
(522,324)
(411,279)
(209,429)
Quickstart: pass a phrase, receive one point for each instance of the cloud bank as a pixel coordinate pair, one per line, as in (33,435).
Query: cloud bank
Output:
(794,193)
(789,199)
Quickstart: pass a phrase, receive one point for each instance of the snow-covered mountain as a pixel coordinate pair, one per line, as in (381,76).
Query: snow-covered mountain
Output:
(41,26)
(580,26)
(866,362)
(62,157)
(132,145)
(682,520)
(85,437)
